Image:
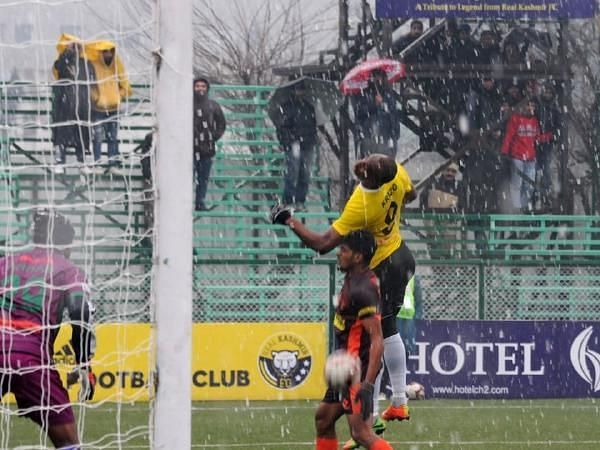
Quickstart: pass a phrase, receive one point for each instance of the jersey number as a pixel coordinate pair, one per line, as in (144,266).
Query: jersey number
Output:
(390,218)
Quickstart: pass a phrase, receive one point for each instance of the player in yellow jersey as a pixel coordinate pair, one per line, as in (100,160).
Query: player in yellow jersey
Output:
(375,205)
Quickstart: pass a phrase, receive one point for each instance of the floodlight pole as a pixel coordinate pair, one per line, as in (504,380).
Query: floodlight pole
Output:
(172,277)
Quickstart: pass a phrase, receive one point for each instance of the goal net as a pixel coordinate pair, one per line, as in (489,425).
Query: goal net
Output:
(57,96)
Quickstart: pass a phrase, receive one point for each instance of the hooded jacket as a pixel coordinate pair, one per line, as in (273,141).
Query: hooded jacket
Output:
(209,124)
(71,94)
(112,83)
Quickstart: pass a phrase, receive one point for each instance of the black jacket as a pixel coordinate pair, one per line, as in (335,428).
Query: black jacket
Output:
(209,126)
(298,122)
(549,118)
(377,121)
(71,93)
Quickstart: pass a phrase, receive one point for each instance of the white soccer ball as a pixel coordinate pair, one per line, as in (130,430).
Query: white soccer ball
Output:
(342,369)
(415,391)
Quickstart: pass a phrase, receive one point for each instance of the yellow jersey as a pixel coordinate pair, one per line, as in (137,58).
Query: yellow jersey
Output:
(377,211)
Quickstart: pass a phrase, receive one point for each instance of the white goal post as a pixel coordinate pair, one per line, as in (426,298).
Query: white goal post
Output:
(172,283)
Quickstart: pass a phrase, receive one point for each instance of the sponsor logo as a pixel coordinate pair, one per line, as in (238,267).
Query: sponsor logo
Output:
(64,356)
(582,358)
(285,361)
(477,358)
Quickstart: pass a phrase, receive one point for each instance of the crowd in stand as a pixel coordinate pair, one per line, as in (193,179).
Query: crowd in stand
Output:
(511,126)
(90,85)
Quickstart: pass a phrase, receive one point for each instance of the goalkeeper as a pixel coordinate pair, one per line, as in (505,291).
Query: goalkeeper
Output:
(36,286)
(375,206)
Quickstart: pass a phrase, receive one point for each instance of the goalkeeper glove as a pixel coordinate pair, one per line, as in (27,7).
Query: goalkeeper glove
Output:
(365,397)
(87,381)
(280,213)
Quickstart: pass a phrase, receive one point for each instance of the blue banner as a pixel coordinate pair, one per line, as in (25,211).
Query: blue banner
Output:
(506,359)
(493,9)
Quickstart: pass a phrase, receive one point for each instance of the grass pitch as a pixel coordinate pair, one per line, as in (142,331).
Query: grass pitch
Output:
(572,424)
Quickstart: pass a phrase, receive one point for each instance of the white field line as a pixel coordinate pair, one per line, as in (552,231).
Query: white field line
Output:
(426,444)
(417,444)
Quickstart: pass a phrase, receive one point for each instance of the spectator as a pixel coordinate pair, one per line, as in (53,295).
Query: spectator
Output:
(112,86)
(71,106)
(461,51)
(549,118)
(512,54)
(484,110)
(144,150)
(522,134)
(513,95)
(417,56)
(209,126)
(297,133)
(40,285)
(377,118)
(446,195)
(488,50)
(531,89)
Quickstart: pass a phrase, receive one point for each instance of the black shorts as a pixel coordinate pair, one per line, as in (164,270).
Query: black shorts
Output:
(394,273)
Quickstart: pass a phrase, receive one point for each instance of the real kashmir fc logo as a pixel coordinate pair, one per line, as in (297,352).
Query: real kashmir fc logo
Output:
(581,355)
(285,361)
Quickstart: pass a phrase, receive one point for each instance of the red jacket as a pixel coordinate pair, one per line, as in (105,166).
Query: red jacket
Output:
(522,133)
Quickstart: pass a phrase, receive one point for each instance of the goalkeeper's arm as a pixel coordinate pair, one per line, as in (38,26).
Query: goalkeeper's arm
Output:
(83,338)
(83,341)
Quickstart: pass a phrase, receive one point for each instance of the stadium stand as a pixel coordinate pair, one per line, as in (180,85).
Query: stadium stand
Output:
(248,270)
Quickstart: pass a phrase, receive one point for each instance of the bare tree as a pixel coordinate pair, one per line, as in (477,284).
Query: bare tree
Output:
(243,41)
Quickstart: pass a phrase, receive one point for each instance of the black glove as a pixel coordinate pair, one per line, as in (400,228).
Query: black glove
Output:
(365,397)
(87,380)
(280,213)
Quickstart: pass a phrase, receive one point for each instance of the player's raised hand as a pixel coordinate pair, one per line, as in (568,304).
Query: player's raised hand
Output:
(280,213)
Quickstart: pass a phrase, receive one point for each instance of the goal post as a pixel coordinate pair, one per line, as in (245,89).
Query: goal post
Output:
(173,266)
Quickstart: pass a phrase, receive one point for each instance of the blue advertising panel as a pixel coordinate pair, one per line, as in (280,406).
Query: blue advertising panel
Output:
(506,9)
(507,359)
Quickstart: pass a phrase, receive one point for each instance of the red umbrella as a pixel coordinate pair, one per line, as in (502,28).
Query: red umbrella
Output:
(358,78)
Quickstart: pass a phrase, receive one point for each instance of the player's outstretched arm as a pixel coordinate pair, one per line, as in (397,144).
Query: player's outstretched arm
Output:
(319,242)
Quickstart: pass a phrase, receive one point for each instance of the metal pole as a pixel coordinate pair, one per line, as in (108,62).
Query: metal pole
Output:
(172,287)
(344,122)
(566,193)
(595,159)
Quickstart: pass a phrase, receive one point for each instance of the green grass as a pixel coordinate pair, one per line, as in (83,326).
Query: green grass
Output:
(572,424)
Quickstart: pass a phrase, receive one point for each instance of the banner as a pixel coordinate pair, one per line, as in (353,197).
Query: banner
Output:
(492,9)
(230,361)
(507,359)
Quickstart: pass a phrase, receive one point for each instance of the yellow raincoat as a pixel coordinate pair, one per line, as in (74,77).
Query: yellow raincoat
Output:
(64,41)
(112,82)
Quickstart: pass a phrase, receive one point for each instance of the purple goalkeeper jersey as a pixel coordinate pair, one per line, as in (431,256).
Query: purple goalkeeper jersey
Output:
(33,288)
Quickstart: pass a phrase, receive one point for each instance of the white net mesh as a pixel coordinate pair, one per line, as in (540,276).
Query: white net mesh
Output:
(108,201)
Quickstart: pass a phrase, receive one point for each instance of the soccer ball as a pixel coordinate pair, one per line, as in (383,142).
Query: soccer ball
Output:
(342,369)
(415,391)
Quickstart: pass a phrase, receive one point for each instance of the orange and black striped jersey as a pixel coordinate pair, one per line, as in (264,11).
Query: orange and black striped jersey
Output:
(358,299)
